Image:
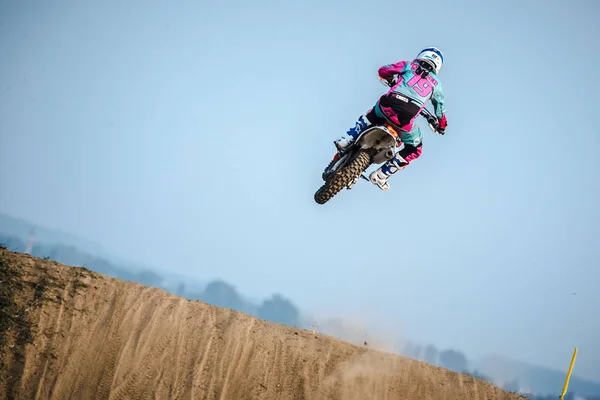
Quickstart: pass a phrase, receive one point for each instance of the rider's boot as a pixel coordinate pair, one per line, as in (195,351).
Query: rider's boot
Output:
(380,176)
(346,140)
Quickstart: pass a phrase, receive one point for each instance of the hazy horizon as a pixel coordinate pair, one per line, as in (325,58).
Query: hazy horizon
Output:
(190,137)
(357,329)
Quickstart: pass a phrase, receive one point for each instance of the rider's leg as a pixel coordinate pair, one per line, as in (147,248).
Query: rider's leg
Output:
(413,146)
(392,106)
(364,121)
(361,124)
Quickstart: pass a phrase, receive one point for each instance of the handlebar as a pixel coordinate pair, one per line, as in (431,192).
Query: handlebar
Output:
(431,118)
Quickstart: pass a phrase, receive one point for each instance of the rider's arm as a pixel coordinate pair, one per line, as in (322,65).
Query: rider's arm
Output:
(389,70)
(437,99)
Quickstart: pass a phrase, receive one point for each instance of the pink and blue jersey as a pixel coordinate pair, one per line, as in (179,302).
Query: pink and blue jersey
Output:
(415,87)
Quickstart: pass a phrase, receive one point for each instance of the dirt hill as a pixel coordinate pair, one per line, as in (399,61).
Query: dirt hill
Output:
(68,333)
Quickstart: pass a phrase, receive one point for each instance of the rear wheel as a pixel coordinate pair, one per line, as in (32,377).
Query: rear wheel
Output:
(343,177)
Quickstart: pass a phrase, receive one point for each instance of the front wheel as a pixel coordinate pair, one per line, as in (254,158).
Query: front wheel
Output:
(343,178)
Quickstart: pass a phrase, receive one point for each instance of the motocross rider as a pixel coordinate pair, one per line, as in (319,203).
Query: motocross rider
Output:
(417,82)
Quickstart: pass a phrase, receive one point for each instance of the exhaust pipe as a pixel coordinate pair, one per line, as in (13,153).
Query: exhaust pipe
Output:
(390,154)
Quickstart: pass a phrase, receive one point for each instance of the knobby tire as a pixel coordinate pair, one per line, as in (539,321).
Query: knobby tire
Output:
(342,178)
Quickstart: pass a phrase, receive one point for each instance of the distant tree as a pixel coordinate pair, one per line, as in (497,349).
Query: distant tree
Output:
(476,374)
(103,267)
(222,294)
(454,360)
(12,243)
(180,290)
(193,295)
(417,352)
(39,251)
(407,349)
(431,355)
(67,255)
(148,278)
(279,310)
(512,386)
(412,350)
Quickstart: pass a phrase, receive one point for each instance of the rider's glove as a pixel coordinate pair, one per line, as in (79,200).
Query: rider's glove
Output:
(390,81)
(442,124)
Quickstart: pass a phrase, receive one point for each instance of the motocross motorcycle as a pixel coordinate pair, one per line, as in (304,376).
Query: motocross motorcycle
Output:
(375,145)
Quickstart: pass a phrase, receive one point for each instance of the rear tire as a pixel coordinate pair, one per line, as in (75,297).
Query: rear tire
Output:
(342,178)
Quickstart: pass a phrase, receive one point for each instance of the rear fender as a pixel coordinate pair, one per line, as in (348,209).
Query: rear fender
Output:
(381,140)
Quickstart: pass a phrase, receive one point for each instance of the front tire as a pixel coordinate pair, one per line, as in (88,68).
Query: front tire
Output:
(342,178)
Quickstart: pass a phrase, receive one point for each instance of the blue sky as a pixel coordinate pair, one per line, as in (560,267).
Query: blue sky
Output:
(191,136)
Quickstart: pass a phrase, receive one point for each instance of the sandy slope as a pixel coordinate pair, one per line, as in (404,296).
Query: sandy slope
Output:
(94,337)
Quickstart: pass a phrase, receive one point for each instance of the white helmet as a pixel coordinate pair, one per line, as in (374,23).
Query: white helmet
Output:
(433,57)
